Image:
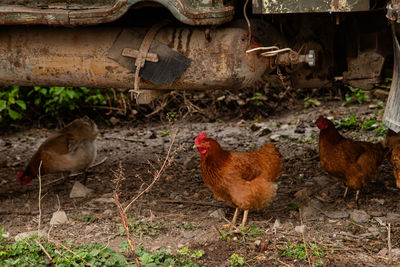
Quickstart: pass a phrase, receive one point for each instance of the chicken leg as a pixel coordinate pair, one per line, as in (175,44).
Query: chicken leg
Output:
(235,215)
(345,193)
(246,212)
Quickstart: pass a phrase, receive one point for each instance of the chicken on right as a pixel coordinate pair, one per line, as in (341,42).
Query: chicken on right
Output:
(354,163)
(392,140)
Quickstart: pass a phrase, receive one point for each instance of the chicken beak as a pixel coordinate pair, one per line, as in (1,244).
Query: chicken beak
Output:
(194,146)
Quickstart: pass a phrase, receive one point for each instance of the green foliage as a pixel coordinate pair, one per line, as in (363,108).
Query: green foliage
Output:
(165,133)
(163,257)
(258,99)
(145,228)
(309,102)
(349,122)
(299,251)
(172,114)
(18,102)
(356,95)
(235,260)
(11,104)
(185,226)
(86,218)
(27,252)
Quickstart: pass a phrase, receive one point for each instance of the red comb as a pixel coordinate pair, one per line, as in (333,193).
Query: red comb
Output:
(20,175)
(200,137)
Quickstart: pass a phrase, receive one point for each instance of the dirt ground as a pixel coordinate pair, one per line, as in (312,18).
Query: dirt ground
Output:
(179,210)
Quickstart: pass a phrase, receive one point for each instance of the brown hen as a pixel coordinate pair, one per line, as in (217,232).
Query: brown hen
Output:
(245,180)
(354,163)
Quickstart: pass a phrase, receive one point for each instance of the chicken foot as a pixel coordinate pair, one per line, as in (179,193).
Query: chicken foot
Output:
(235,215)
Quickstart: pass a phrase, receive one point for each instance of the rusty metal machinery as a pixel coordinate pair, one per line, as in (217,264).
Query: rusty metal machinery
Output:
(79,57)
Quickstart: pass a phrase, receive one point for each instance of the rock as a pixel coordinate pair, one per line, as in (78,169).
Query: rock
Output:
(396,253)
(59,217)
(300,229)
(274,137)
(217,214)
(255,127)
(277,225)
(79,190)
(359,216)
(5,235)
(264,132)
(103,200)
(24,235)
(188,235)
(376,213)
(191,162)
(108,212)
(393,218)
(337,214)
(257,242)
(114,120)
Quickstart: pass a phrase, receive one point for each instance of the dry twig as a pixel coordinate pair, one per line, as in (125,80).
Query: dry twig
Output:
(389,244)
(40,213)
(304,240)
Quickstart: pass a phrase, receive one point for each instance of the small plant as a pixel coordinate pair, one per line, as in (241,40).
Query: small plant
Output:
(172,114)
(299,251)
(163,257)
(185,226)
(357,95)
(218,120)
(86,218)
(165,133)
(226,236)
(381,129)
(235,260)
(309,102)
(145,229)
(258,99)
(347,122)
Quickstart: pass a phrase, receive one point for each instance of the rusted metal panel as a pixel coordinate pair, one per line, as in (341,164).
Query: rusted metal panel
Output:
(78,57)
(308,6)
(95,12)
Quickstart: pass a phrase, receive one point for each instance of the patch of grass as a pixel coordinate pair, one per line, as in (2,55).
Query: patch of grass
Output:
(299,252)
(245,232)
(147,228)
(164,257)
(86,218)
(185,226)
(27,252)
(356,95)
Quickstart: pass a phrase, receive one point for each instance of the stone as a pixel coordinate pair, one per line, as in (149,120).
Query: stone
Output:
(396,253)
(393,218)
(79,190)
(114,120)
(274,137)
(300,229)
(380,201)
(277,225)
(217,214)
(255,127)
(59,217)
(5,235)
(337,214)
(264,132)
(29,234)
(103,200)
(188,235)
(108,212)
(359,216)
(191,162)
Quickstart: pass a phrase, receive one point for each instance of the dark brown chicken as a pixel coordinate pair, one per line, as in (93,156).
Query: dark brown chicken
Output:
(354,163)
(245,180)
(70,149)
(393,143)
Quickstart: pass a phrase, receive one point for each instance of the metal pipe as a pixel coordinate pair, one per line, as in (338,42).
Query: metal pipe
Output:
(46,56)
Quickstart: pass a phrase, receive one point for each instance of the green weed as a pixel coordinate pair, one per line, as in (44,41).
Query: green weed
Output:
(309,102)
(299,251)
(258,99)
(235,260)
(356,95)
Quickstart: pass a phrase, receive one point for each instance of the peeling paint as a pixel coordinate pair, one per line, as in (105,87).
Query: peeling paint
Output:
(298,6)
